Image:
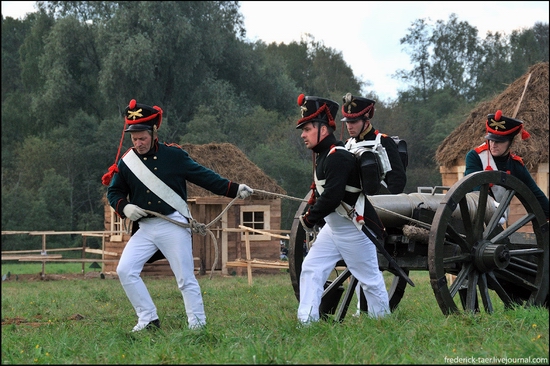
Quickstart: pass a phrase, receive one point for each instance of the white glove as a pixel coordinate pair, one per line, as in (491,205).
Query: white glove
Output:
(244,191)
(311,234)
(504,217)
(133,212)
(308,230)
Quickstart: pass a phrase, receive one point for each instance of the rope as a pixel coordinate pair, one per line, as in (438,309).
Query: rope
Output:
(199,228)
(202,229)
(279,195)
(410,219)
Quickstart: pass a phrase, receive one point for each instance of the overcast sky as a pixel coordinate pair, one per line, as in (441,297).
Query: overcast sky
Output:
(366,32)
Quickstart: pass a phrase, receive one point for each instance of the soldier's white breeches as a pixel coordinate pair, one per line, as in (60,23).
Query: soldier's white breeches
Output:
(175,243)
(340,239)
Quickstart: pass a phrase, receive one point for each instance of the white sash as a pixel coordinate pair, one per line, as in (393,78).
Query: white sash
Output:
(487,160)
(157,186)
(498,191)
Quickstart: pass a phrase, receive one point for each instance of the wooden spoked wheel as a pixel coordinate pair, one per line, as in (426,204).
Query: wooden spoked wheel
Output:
(492,263)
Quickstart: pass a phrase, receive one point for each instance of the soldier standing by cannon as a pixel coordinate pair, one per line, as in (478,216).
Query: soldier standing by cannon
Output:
(335,195)
(389,166)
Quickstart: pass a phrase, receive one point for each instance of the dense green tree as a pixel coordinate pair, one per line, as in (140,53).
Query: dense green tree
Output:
(216,116)
(493,70)
(14,33)
(55,194)
(32,50)
(316,69)
(162,52)
(85,11)
(541,33)
(456,53)
(265,79)
(443,56)
(528,47)
(70,67)
(298,63)
(418,43)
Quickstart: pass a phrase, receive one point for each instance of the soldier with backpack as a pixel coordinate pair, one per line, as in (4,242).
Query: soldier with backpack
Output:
(382,163)
(357,113)
(335,200)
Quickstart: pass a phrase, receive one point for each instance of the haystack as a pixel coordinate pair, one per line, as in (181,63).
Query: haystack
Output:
(230,162)
(533,111)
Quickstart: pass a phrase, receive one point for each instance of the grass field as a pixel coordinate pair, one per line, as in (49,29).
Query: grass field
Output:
(88,320)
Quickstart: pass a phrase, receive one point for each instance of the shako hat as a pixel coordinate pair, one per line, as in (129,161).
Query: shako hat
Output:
(141,117)
(355,108)
(316,109)
(500,128)
(138,117)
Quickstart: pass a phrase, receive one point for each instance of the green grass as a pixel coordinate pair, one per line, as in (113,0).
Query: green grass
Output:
(251,325)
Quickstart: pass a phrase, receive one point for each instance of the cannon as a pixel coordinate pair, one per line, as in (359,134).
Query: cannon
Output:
(459,234)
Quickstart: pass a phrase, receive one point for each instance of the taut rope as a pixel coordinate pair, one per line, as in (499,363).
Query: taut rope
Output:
(203,229)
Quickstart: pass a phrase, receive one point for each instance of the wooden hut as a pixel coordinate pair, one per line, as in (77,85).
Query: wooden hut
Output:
(529,95)
(261,211)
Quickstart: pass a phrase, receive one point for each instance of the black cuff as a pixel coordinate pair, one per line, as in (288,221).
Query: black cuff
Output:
(232,190)
(308,223)
(120,207)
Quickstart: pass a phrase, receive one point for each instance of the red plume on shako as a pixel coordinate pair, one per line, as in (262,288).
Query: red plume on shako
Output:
(301,98)
(137,117)
(316,109)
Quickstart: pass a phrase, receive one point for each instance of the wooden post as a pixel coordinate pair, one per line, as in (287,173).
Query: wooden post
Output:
(102,253)
(239,253)
(224,246)
(248,259)
(43,274)
(83,251)
(522,94)
(203,240)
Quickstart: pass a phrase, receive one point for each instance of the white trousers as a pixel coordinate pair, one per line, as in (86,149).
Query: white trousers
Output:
(175,242)
(340,239)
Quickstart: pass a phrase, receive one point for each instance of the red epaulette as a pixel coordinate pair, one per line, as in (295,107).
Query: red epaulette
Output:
(376,132)
(481,147)
(517,158)
(173,144)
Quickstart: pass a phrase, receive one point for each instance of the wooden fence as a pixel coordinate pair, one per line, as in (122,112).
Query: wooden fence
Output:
(42,255)
(250,263)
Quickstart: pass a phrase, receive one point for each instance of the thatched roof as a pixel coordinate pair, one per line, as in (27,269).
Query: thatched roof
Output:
(229,162)
(533,111)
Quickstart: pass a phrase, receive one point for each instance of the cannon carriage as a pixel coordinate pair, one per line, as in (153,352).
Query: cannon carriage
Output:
(460,235)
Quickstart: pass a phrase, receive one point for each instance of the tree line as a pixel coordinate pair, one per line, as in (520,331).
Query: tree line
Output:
(69,70)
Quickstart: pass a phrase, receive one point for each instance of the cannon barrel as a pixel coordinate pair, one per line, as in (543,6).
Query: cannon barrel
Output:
(404,204)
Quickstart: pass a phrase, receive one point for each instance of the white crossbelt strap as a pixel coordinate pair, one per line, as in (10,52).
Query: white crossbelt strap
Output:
(157,186)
